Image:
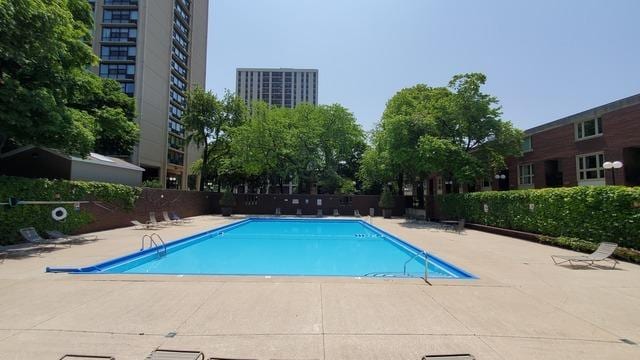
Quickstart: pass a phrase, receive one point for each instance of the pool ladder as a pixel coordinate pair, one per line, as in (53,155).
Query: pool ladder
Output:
(426,265)
(161,249)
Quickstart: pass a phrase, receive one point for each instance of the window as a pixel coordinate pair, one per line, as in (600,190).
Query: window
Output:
(589,128)
(120,16)
(177,97)
(526,144)
(176,142)
(180,39)
(175,81)
(590,167)
(175,157)
(181,27)
(118,53)
(118,71)
(175,111)
(128,88)
(179,54)
(119,34)
(183,15)
(178,68)
(175,127)
(525,174)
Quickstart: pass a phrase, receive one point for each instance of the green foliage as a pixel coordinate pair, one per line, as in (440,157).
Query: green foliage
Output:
(386,200)
(621,253)
(456,131)
(155,183)
(595,214)
(208,121)
(47,95)
(227,199)
(314,145)
(39,216)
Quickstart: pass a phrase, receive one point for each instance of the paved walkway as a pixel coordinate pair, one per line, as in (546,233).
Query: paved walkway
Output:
(522,307)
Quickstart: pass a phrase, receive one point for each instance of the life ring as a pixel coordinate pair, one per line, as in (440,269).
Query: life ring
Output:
(59,213)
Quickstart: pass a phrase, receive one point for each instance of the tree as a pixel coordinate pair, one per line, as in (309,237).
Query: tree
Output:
(207,121)
(309,144)
(47,95)
(41,47)
(456,131)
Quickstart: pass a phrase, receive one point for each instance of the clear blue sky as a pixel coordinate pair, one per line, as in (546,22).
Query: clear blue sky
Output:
(543,59)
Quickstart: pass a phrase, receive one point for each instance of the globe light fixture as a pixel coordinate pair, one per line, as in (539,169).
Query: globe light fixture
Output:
(609,165)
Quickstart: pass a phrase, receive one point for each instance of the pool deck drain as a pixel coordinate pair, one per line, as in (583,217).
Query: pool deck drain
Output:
(513,311)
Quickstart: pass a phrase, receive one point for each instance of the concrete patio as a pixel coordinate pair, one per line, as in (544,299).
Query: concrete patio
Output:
(521,307)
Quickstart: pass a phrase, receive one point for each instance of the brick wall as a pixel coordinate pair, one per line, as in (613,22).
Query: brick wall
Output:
(621,129)
(185,203)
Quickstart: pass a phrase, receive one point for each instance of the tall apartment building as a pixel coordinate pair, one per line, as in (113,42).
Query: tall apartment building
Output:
(156,49)
(280,87)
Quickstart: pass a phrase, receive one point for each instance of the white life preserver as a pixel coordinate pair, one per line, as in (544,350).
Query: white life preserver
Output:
(59,213)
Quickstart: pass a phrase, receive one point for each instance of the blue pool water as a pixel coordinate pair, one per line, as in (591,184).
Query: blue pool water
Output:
(285,247)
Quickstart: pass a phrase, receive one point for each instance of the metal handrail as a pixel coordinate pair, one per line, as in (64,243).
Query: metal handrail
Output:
(155,244)
(426,265)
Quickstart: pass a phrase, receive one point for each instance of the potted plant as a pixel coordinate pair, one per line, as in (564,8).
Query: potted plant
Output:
(386,203)
(227,202)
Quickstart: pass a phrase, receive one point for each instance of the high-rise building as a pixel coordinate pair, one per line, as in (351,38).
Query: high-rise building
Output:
(280,87)
(156,49)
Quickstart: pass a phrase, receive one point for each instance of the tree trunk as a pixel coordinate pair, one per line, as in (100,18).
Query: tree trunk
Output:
(203,169)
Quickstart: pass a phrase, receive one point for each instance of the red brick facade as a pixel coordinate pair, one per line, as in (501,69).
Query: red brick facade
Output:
(555,148)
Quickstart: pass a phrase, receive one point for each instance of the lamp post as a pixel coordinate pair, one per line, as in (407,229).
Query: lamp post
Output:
(608,165)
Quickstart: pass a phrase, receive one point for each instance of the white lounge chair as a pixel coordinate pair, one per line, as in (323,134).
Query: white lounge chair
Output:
(169,220)
(456,227)
(31,235)
(602,253)
(278,212)
(319,213)
(154,222)
(174,216)
(163,354)
(336,212)
(298,212)
(449,357)
(140,226)
(356,213)
(55,234)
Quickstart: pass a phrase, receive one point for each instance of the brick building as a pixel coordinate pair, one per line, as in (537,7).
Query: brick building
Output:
(571,151)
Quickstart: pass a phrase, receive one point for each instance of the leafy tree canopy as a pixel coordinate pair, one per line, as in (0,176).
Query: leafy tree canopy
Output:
(47,95)
(455,130)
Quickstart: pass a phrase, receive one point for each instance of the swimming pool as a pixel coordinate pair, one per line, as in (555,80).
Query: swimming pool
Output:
(278,246)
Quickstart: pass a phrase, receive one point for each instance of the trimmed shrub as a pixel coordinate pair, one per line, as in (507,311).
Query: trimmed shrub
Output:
(386,200)
(594,214)
(39,216)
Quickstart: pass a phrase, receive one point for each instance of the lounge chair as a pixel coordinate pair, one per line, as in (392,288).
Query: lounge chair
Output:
(449,357)
(456,227)
(602,253)
(298,212)
(169,220)
(86,357)
(55,234)
(174,216)
(319,213)
(31,235)
(278,212)
(140,226)
(164,354)
(154,222)
(336,212)
(356,213)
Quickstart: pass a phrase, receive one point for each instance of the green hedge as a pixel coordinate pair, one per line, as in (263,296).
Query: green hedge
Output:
(39,216)
(595,214)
